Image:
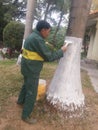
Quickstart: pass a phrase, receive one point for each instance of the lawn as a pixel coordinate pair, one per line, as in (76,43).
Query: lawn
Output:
(11,79)
(48,119)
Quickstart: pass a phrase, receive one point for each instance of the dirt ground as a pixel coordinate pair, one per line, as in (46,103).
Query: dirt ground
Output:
(10,117)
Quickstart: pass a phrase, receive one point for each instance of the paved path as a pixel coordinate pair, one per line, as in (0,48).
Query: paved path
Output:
(92,68)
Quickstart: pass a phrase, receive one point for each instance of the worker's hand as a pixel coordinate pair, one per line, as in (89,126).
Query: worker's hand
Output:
(66,44)
(64,48)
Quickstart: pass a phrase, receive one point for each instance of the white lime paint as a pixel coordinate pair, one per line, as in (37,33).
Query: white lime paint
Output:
(65,89)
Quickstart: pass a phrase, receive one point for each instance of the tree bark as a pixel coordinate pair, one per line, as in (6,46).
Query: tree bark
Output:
(65,90)
(29,18)
(78,17)
(28,25)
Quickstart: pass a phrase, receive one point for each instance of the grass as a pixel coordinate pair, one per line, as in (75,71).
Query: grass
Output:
(11,80)
(86,83)
(48,70)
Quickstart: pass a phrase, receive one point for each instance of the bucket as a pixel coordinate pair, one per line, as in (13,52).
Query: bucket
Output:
(41,89)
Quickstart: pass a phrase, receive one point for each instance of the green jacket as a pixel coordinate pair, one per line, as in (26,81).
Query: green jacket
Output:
(36,43)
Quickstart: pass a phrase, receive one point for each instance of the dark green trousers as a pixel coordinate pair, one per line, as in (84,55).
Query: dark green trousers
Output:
(28,95)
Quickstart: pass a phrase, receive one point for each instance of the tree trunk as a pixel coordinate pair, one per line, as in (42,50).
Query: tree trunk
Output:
(29,18)
(65,90)
(28,25)
(46,12)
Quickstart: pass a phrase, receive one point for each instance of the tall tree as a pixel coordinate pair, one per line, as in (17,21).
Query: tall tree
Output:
(29,23)
(48,3)
(65,90)
(63,10)
(29,18)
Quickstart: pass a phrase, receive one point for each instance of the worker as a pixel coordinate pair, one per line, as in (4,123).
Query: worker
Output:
(35,53)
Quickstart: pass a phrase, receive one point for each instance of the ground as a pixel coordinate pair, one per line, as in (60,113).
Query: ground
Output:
(48,119)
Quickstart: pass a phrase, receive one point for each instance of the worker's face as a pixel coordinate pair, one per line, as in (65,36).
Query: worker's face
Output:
(45,33)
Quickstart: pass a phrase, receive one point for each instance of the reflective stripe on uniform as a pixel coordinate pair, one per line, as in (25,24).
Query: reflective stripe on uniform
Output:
(31,55)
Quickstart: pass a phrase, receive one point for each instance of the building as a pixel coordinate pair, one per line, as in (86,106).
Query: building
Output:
(92,26)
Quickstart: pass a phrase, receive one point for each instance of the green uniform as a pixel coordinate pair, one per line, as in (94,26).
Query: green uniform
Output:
(35,52)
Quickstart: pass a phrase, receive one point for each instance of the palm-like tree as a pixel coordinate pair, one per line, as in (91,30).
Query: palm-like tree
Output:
(65,90)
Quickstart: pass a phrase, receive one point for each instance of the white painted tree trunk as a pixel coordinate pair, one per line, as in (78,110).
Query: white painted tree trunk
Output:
(65,90)
(28,25)
(29,18)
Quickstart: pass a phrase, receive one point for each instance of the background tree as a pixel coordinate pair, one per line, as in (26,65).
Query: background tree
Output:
(29,18)
(94,4)
(48,4)
(13,34)
(29,23)
(3,22)
(63,8)
(65,90)
(50,7)
(10,10)
(15,10)
(59,37)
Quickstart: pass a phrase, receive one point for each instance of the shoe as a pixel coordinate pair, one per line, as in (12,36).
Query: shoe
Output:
(19,103)
(29,120)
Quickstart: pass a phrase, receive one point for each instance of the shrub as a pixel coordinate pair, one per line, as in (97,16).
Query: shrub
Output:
(13,35)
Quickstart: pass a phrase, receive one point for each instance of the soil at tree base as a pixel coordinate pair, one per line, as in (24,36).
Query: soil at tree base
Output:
(10,116)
